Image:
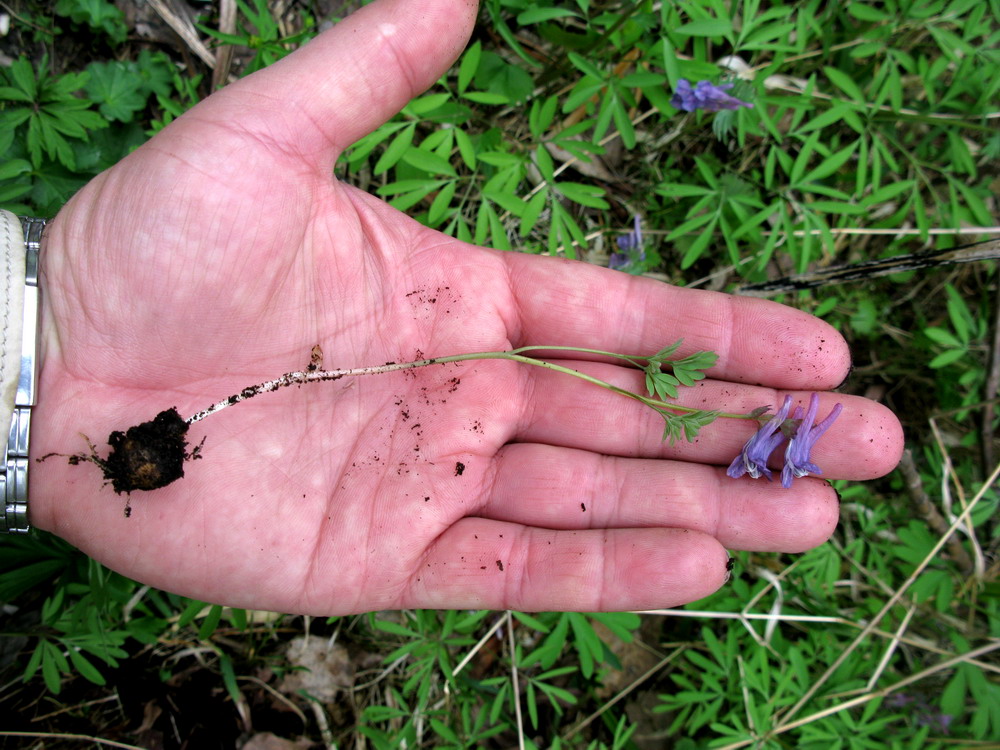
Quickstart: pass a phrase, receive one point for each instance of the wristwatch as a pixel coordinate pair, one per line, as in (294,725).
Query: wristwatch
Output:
(14,470)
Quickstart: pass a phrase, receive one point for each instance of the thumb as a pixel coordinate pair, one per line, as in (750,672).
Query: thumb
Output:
(350,79)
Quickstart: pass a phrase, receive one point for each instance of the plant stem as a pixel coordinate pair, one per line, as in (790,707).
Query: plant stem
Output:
(514,355)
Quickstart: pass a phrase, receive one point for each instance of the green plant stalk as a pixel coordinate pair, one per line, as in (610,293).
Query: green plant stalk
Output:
(514,355)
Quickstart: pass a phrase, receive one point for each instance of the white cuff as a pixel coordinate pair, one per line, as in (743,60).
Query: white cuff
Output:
(12,276)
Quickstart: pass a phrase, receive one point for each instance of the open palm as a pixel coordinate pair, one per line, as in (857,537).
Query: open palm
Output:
(221,252)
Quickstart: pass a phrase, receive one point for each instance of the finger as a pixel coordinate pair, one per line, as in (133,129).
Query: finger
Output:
(560,488)
(352,78)
(758,341)
(866,440)
(483,564)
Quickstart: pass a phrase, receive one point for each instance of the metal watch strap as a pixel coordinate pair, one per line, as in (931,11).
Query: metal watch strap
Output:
(14,473)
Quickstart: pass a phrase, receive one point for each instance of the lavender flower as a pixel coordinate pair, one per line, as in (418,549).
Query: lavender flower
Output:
(630,248)
(924,715)
(706,96)
(797,463)
(753,458)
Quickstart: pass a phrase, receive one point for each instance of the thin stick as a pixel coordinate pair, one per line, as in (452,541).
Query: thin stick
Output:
(69,736)
(513,680)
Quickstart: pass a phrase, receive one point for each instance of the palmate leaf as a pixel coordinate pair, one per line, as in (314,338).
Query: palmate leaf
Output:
(118,88)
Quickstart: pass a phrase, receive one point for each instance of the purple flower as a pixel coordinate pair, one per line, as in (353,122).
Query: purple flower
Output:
(753,458)
(706,96)
(630,248)
(797,463)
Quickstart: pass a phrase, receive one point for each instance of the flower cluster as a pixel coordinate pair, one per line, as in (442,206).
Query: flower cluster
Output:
(629,248)
(802,432)
(705,95)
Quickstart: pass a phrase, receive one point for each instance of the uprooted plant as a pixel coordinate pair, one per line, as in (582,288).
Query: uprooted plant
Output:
(152,454)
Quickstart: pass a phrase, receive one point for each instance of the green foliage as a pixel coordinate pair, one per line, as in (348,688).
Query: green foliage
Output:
(685,371)
(42,112)
(98,15)
(122,89)
(261,33)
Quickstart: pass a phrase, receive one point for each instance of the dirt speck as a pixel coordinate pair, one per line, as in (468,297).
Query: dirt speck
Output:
(459,468)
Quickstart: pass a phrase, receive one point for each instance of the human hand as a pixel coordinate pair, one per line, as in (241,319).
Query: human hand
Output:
(220,252)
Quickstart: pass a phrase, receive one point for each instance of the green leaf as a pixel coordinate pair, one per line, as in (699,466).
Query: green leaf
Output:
(532,211)
(539,14)
(428,162)
(706,27)
(543,160)
(585,195)
(12,94)
(682,190)
(210,623)
(831,163)
(696,248)
(958,312)
(23,76)
(406,186)
(191,611)
(541,115)
(441,203)
(484,97)
(845,83)
(531,701)
(497,76)
(469,65)
(832,116)
(943,337)
(229,678)
(644,79)
(946,358)
(13,168)
(50,667)
(531,621)
(87,670)
(867,13)
(117,88)
(832,207)
(586,67)
(623,123)
(465,148)
(395,150)
(424,104)
(507,201)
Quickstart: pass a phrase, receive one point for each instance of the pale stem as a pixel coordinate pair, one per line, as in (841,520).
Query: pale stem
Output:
(513,355)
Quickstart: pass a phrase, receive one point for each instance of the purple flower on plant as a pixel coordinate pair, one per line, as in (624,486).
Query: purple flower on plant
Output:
(802,435)
(705,95)
(924,715)
(797,463)
(753,458)
(629,248)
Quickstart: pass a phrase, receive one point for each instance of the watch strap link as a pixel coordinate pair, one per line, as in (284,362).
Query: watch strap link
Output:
(14,476)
